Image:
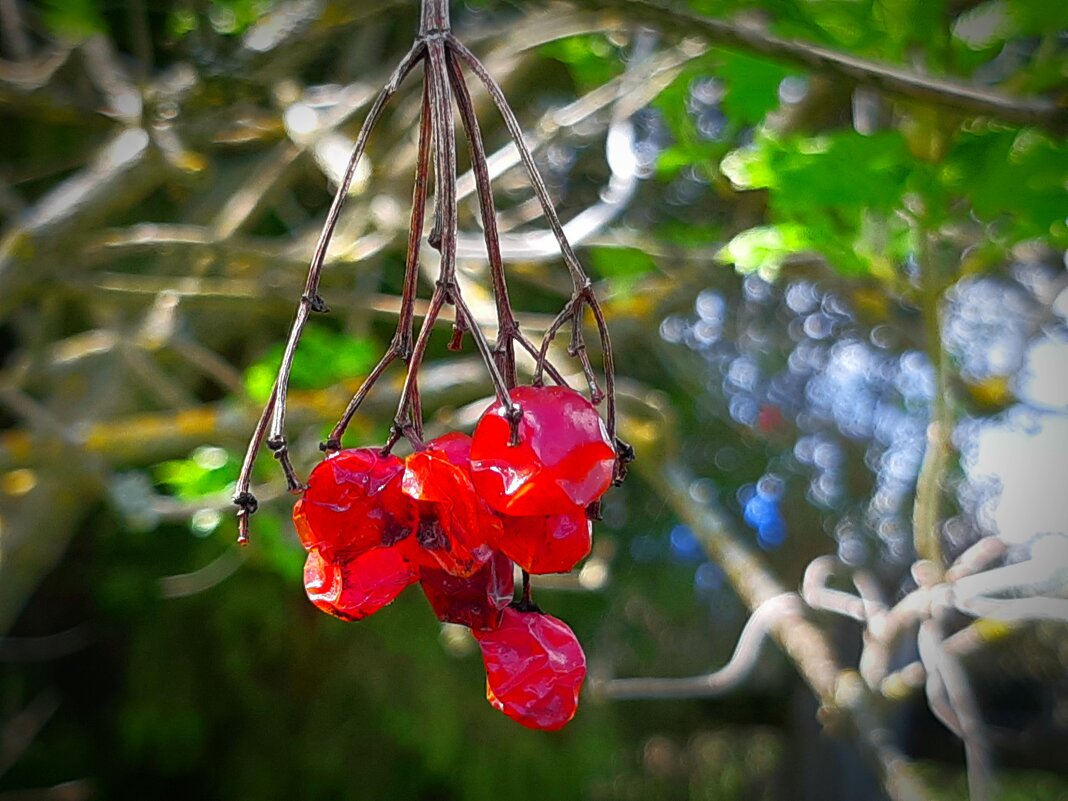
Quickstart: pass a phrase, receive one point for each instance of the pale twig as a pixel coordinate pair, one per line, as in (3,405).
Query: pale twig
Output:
(951,698)
(12,27)
(711,685)
(105,69)
(842,693)
(871,594)
(816,594)
(204,578)
(969,640)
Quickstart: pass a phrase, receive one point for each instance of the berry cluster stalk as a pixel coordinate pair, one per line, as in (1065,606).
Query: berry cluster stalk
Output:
(442,58)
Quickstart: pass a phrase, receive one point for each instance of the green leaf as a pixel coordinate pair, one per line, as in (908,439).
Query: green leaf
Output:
(621,262)
(207,471)
(840,171)
(74,19)
(323,359)
(1018,179)
(764,248)
(752,87)
(837,194)
(591,58)
(690,147)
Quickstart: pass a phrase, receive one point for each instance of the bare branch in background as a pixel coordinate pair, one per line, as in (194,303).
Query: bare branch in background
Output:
(728,678)
(944,92)
(839,690)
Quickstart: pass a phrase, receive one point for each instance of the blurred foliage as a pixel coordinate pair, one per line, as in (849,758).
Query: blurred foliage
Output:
(232,685)
(324,359)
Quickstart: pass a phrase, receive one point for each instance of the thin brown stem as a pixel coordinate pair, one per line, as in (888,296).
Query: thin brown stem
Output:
(500,386)
(272,420)
(581,282)
(528,346)
(433,17)
(578,275)
(243,498)
(401,347)
(404,418)
(507,326)
(446,223)
(310,300)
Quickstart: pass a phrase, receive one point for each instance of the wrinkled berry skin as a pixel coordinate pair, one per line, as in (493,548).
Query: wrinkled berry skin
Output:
(476,601)
(457,530)
(353,588)
(534,669)
(553,544)
(564,460)
(353,502)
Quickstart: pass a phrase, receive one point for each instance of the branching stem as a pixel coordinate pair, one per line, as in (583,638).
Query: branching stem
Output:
(443,82)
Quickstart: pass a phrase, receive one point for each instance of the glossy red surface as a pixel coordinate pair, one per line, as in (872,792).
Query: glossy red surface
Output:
(564,460)
(353,502)
(354,588)
(476,601)
(553,544)
(454,447)
(457,530)
(534,669)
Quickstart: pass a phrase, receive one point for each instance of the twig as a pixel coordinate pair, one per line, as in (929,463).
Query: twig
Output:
(817,595)
(841,692)
(581,282)
(952,700)
(728,678)
(310,300)
(45,648)
(202,579)
(402,344)
(153,436)
(927,509)
(507,327)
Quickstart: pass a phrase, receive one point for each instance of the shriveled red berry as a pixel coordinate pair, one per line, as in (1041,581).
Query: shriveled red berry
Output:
(553,544)
(563,462)
(457,530)
(534,668)
(353,502)
(476,601)
(356,587)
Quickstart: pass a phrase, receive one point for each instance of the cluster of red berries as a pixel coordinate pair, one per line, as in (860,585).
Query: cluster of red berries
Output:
(454,516)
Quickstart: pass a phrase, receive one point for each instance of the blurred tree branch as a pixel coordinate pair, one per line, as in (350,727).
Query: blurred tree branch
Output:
(845,700)
(944,92)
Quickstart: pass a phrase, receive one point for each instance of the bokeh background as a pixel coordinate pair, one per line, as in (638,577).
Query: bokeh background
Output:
(805,259)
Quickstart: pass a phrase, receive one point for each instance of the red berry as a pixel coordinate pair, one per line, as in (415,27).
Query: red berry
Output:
(457,530)
(564,460)
(454,447)
(534,669)
(354,588)
(476,601)
(553,544)
(353,502)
